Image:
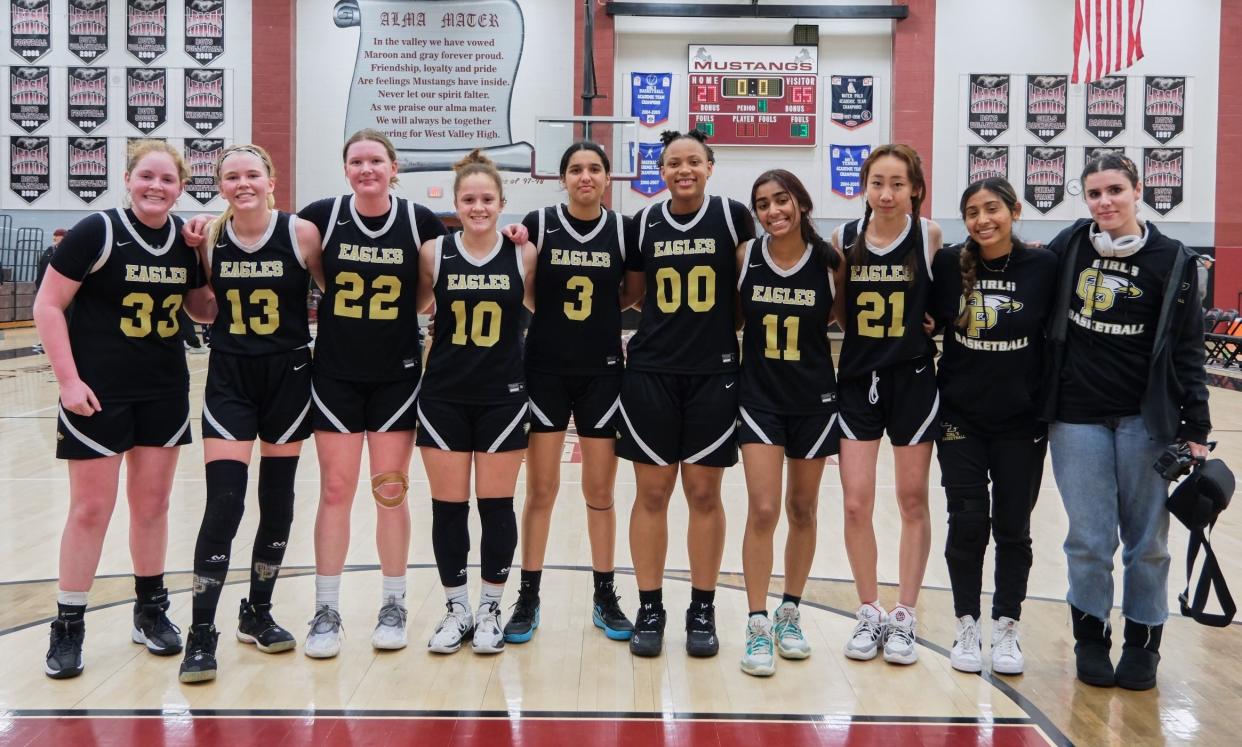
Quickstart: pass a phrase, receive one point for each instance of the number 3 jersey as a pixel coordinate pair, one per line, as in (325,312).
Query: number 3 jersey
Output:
(476,356)
(885,300)
(124,328)
(260,291)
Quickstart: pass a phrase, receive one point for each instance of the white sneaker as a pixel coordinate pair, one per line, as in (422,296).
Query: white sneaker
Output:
(899,637)
(488,637)
(324,639)
(452,630)
(967,653)
(759,659)
(389,632)
(864,642)
(1006,649)
(787,628)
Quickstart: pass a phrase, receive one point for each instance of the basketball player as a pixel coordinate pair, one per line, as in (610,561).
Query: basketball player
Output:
(887,385)
(472,406)
(1126,381)
(788,404)
(124,390)
(259,262)
(992,294)
(573,365)
(368,357)
(679,393)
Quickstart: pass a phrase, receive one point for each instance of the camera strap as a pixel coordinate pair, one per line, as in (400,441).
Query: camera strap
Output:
(1210,576)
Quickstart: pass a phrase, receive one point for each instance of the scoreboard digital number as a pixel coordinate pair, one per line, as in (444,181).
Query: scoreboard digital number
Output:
(754,110)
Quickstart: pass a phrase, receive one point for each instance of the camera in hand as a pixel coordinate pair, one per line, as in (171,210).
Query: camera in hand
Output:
(1176,461)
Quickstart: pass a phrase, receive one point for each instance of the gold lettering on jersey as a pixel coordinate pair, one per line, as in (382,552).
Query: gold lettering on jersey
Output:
(880,273)
(271,268)
(577,258)
(1106,327)
(144,274)
(684,246)
(478,282)
(787,296)
(380,255)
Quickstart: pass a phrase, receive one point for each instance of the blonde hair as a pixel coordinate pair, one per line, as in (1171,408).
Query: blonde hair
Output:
(477,163)
(217,225)
(375,136)
(138,149)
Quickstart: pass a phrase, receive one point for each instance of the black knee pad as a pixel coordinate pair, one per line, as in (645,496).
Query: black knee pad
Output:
(499,538)
(450,540)
(969,525)
(226,502)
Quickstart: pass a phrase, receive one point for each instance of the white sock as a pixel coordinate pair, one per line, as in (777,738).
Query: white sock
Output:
(393,586)
(458,595)
(328,591)
(491,593)
(76,598)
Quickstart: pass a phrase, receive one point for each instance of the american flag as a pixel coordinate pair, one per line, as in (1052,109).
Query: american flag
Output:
(1107,37)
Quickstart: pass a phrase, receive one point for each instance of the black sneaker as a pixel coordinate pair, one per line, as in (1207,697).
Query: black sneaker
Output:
(648,635)
(153,629)
(524,619)
(701,630)
(199,664)
(255,625)
(64,653)
(607,616)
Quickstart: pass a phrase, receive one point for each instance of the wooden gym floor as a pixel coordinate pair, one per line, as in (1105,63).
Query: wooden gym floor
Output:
(569,685)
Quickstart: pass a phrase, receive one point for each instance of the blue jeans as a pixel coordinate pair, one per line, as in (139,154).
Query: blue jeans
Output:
(1111,493)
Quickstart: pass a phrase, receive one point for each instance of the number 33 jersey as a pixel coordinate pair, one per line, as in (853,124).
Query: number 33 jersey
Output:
(260,291)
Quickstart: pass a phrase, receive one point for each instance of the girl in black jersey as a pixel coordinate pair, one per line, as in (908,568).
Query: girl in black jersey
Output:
(472,406)
(679,393)
(259,262)
(788,404)
(992,294)
(573,364)
(368,357)
(123,390)
(1126,380)
(887,384)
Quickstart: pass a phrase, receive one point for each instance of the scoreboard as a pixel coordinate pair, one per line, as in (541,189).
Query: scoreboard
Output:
(752,96)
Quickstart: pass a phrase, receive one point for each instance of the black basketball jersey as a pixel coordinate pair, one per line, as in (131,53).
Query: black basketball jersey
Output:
(125,331)
(368,320)
(260,291)
(687,324)
(884,306)
(476,356)
(577,324)
(786,359)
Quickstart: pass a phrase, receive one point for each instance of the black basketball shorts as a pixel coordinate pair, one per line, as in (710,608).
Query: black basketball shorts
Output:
(458,426)
(120,426)
(670,418)
(357,406)
(901,399)
(267,396)
(811,436)
(592,400)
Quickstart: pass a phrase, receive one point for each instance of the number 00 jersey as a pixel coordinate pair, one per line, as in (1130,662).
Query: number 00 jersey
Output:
(884,306)
(577,324)
(124,328)
(368,323)
(786,359)
(476,356)
(691,268)
(260,291)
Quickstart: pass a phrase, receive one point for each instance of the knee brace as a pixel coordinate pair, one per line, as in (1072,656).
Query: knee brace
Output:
(450,540)
(226,501)
(276,476)
(499,538)
(386,479)
(969,527)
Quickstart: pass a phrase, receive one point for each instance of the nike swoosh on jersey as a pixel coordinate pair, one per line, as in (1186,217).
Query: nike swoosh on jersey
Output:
(730,385)
(299,368)
(757,264)
(552,230)
(920,370)
(448,256)
(653,225)
(124,243)
(341,222)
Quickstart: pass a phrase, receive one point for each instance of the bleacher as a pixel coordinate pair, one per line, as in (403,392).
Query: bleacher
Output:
(19,261)
(1223,338)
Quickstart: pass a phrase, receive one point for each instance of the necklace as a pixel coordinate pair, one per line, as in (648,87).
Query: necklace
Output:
(1001,269)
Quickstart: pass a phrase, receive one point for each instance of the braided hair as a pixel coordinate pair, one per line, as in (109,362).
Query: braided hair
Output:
(969,258)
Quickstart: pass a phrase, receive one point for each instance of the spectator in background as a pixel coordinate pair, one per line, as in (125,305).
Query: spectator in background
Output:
(44,260)
(1204,270)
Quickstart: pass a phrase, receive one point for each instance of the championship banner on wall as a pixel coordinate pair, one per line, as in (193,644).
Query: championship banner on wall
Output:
(1106,108)
(649,97)
(200,157)
(204,30)
(30,167)
(204,99)
(146,98)
(649,181)
(1164,178)
(30,28)
(852,100)
(1164,107)
(88,97)
(986,162)
(1047,105)
(30,97)
(88,28)
(88,167)
(846,168)
(989,106)
(146,29)
(753,95)
(1045,177)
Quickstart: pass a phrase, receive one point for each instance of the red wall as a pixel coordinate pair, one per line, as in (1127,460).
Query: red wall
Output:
(914,82)
(273,93)
(1228,270)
